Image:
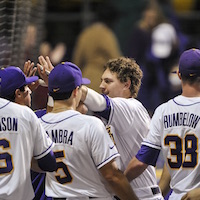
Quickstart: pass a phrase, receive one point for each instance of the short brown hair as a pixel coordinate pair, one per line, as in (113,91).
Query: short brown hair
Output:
(191,80)
(126,68)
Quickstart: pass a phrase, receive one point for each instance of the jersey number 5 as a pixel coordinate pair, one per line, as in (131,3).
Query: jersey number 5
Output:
(6,165)
(64,176)
(182,156)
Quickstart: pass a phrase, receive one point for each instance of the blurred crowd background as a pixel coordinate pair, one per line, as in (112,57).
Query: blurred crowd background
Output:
(89,32)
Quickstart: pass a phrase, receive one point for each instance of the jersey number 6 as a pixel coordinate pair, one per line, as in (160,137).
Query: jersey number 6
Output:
(185,156)
(6,165)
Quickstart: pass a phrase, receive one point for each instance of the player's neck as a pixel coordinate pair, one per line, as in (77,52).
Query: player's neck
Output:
(62,105)
(190,91)
(127,95)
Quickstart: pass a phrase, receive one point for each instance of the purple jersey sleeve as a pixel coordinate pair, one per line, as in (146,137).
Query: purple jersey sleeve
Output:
(148,155)
(105,113)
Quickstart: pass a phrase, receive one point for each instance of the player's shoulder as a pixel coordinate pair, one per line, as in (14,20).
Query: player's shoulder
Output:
(8,105)
(130,104)
(22,111)
(91,120)
(129,101)
(164,106)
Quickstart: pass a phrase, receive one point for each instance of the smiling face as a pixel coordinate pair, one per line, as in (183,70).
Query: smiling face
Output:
(121,78)
(111,85)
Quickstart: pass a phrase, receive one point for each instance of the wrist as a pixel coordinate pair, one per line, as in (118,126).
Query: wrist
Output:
(84,92)
(50,101)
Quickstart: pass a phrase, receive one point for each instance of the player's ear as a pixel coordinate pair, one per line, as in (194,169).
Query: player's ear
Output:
(17,93)
(75,92)
(127,84)
(179,74)
(18,96)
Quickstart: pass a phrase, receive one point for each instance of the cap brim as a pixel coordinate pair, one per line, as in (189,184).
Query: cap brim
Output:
(31,79)
(85,81)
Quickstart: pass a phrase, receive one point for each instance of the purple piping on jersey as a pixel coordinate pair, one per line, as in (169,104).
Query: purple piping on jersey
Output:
(45,150)
(5,105)
(112,113)
(108,159)
(152,144)
(58,121)
(185,105)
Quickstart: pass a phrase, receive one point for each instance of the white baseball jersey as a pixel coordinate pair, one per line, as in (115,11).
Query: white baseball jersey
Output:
(129,124)
(21,138)
(82,146)
(175,129)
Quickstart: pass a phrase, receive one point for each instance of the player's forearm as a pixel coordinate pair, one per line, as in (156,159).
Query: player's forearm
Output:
(134,169)
(121,187)
(192,195)
(117,182)
(165,181)
(93,100)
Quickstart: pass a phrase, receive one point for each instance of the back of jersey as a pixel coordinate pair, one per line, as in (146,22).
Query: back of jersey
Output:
(18,144)
(180,127)
(82,146)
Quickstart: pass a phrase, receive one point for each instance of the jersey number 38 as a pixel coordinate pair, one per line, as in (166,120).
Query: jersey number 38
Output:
(183,152)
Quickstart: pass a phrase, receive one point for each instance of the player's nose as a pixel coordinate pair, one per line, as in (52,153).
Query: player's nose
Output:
(102,85)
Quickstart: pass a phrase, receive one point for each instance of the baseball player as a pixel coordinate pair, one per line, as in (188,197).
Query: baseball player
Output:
(174,130)
(126,119)
(38,179)
(24,98)
(21,137)
(83,150)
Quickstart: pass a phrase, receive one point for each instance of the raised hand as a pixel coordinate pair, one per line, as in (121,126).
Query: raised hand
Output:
(44,68)
(30,70)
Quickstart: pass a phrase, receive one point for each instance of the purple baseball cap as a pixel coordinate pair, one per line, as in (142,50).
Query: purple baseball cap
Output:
(12,78)
(65,77)
(189,62)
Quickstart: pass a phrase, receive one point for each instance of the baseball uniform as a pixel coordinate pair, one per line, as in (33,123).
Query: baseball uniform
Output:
(175,130)
(21,138)
(127,122)
(82,146)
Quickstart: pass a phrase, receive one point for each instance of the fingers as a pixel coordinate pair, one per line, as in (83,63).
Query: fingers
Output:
(50,66)
(44,67)
(42,73)
(41,70)
(42,61)
(45,63)
(29,69)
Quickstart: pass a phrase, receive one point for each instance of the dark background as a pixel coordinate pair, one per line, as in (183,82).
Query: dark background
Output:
(65,19)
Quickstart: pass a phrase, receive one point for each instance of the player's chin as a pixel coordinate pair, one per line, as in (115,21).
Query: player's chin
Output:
(105,92)
(28,103)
